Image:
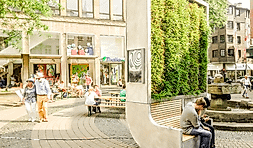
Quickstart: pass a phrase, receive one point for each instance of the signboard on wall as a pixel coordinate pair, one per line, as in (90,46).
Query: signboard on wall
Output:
(136,60)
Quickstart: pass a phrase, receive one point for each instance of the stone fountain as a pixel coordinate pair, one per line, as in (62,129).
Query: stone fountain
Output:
(220,93)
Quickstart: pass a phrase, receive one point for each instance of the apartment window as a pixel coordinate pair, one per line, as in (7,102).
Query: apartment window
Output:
(54,5)
(222,38)
(222,52)
(237,12)
(215,53)
(117,10)
(230,10)
(104,11)
(239,53)
(87,8)
(230,25)
(238,27)
(72,7)
(239,40)
(214,39)
(230,38)
(231,52)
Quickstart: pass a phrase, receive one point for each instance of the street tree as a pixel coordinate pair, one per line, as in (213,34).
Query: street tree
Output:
(23,15)
(217,12)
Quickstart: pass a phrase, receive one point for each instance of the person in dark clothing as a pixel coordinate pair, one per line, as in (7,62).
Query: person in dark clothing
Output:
(204,119)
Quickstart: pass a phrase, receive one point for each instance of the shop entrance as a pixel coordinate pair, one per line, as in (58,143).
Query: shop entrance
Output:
(110,73)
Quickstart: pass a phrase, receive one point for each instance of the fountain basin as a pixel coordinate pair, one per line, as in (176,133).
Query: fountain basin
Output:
(235,115)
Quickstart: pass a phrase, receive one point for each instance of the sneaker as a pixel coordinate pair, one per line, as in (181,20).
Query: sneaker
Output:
(29,119)
(33,120)
(45,120)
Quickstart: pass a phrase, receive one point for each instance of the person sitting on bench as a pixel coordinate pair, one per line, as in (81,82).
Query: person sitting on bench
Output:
(204,119)
(191,124)
(90,98)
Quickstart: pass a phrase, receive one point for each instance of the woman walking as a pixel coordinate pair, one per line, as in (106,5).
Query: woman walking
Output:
(30,99)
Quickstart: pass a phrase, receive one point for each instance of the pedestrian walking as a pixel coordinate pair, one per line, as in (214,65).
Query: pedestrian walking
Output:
(43,96)
(246,85)
(30,99)
(191,124)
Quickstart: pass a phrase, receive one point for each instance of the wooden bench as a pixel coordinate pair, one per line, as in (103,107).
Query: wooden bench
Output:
(168,114)
(108,101)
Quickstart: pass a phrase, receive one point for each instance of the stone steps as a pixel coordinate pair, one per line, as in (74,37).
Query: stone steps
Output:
(233,126)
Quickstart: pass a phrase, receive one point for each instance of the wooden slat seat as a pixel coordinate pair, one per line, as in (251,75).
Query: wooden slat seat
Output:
(108,101)
(168,114)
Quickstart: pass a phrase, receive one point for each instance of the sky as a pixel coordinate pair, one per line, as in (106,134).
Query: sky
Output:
(245,3)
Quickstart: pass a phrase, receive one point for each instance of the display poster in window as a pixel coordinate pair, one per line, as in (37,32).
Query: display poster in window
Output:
(136,59)
(78,73)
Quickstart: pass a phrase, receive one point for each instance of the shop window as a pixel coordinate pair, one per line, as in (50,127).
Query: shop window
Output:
(44,43)
(239,40)
(237,12)
(231,52)
(222,38)
(214,39)
(49,71)
(87,8)
(117,10)
(238,26)
(230,25)
(215,53)
(230,38)
(104,11)
(230,10)
(80,45)
(222,52)
(72,7)
(54,5)
(78,72)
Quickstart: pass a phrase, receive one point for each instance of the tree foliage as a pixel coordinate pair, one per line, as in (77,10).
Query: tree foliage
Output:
(217,12)
(179,45)
(23,15)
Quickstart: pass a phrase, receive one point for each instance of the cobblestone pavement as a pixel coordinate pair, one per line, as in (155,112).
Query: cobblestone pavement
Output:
(233,139)
(69,126)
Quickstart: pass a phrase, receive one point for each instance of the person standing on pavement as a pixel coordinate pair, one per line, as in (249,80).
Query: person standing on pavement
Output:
(30,99)
(88,81)
(246,85)
(191,124)
(43,96)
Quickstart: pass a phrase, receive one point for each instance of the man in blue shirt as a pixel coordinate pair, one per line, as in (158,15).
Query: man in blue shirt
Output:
(43,95)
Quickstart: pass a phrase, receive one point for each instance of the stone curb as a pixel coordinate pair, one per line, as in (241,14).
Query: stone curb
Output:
(233,126)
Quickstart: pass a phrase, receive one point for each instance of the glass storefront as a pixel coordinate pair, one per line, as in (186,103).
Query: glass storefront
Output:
(110,73)
(49,71)
(77,73)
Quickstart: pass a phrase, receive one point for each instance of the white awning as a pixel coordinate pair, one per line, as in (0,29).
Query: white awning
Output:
(232,66)
(211,66)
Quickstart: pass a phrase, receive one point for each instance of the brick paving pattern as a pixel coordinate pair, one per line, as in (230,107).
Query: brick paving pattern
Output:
(69,126)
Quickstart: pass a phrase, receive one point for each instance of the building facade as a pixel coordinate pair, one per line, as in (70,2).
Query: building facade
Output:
(85,36)
(227,52)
